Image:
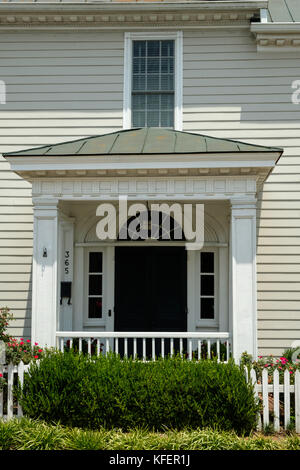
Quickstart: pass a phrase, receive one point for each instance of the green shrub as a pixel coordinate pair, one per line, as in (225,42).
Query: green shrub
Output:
(77,390)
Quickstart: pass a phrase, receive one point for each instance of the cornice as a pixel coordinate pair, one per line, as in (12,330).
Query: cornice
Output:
(275,36)
(126,15)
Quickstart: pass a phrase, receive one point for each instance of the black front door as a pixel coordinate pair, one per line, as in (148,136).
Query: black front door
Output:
(150,289)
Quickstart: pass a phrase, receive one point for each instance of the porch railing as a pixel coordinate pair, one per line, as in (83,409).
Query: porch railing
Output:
(148,345)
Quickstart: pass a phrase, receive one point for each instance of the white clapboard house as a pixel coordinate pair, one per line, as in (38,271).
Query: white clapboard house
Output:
(160,102)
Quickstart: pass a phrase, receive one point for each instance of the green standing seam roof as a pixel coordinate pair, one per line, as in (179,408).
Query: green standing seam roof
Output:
(284,11)
(148,140)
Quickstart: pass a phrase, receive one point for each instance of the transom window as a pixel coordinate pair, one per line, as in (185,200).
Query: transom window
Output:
(207,285)
(152,99)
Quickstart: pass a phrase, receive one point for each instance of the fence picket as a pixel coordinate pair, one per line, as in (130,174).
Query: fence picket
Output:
(1,393)
(276,400)
(10,383)
(297,401)
(287,399)
(21,379)
(253,378)
(265,397)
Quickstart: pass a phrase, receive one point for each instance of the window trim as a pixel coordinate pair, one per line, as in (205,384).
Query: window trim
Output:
(206,322)
(128,38)
(95,321)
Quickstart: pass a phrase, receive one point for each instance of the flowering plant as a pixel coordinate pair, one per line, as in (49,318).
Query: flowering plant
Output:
(5,317)
(17,350)
(2,382)
(271,363)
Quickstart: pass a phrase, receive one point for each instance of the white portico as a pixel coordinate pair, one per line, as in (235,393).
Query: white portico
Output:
(84,287)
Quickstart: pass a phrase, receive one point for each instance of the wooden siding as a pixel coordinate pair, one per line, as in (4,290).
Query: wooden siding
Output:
(59,87)
(231,91)
(63,86)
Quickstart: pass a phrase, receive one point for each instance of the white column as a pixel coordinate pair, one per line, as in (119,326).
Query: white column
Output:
(243,277)
(45,300)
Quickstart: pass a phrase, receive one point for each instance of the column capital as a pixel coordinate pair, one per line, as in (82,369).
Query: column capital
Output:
(45,203)
(243,203)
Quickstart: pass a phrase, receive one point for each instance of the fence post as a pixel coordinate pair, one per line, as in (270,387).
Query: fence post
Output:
(297,401)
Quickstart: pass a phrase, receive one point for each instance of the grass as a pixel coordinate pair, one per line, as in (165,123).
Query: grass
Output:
(28,434)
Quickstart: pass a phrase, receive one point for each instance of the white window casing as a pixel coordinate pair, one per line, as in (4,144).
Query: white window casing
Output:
(127,90)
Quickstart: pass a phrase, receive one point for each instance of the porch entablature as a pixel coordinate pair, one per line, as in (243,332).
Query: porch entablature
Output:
(143,188)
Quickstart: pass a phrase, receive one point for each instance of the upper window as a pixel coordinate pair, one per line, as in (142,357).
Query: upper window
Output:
(153,80)
(153,83)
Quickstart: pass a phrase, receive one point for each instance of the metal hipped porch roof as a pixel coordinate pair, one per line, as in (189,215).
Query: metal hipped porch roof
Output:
(144,141)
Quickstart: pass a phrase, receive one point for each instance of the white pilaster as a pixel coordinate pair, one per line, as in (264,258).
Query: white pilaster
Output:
(44,278)
(243,277)
(65,269)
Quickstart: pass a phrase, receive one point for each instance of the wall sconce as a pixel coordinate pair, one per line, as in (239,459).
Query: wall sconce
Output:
(45,254)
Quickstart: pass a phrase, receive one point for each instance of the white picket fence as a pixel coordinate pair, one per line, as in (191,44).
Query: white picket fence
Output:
(278,399)
(8,406)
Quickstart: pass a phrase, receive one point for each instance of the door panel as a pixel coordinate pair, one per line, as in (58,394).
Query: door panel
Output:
(150,291)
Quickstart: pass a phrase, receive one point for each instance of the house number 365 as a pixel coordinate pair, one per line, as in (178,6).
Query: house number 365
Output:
(67,261)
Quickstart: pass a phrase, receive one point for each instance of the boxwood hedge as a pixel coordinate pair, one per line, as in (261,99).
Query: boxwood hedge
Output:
(89,392)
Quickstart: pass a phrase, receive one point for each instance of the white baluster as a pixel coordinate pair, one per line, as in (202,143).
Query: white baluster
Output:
(163,347)
(199,350)
(181,346)
(144,349)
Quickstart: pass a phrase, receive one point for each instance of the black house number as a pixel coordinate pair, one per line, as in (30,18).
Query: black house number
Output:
(67,261)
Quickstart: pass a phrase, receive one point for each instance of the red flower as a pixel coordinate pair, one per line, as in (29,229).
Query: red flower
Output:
(36,357)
